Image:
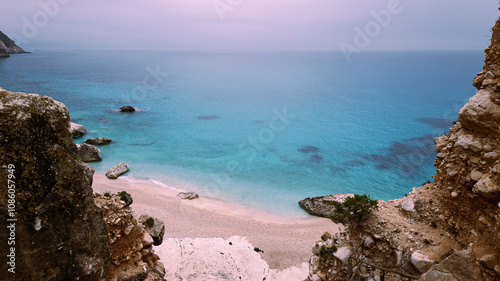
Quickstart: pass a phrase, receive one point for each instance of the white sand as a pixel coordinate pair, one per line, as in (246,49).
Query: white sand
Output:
(286,242)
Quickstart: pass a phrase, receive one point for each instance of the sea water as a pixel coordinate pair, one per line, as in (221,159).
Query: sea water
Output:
(264,130)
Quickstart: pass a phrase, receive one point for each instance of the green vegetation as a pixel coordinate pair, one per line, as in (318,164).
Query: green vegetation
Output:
(126,197)
(107,194)
(150,222)
(325,252)
(354,209)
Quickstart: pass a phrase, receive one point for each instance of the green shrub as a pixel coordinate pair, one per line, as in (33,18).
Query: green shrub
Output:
(325,252)
(354,209)
(107,194)
(150,222)
(126,197)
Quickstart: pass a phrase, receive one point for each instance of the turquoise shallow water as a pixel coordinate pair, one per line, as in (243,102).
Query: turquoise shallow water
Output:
(265,129)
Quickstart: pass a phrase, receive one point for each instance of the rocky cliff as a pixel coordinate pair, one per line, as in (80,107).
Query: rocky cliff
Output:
(7,46)
(445,230)
(55,230)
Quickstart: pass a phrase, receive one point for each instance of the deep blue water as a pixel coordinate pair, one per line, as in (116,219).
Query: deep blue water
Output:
(263,130)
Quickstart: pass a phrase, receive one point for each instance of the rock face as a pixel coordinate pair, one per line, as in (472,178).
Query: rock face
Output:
(77,130)
(98,141)
(117,170)
(322,206)
(133,255)
(434,223)
(155,227)
(7,46)
(460,266)
(60,234)
(127,108)
(89,153)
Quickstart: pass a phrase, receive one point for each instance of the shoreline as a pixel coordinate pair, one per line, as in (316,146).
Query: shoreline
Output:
(286,241)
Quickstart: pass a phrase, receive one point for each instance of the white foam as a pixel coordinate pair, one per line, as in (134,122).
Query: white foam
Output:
(166,185)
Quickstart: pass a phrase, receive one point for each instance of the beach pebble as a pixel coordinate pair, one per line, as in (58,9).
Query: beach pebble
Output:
(188,195)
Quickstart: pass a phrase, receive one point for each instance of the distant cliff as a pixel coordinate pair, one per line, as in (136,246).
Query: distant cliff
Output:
(7,46)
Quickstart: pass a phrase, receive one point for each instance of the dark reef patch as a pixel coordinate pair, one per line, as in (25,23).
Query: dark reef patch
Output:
(308,149)
(208,117)
(143,144)
(405,157)
(436,123)
(354,163)
(316,158)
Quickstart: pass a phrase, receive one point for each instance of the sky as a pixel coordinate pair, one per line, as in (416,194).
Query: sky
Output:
(250,25)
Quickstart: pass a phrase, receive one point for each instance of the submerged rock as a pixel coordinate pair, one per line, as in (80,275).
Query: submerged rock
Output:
(89,153)
(98,141)
(322,206)
(77,130)
(60,234)
(127,108)
(117,170)
(208,117)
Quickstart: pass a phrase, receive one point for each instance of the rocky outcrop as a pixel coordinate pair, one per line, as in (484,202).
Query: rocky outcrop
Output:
(321,206)
(427,234)
(188,195)
(459,266)
(98,141)
(7,46)
(221,259)
(133,254)
(77,130)
(59,233)
(88,153)
(117,170)
(155,227)
(127,108)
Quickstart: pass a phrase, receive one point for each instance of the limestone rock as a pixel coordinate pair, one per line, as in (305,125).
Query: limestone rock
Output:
(408,205)
(481,114)
(322,206)
(489,261)
(127,108)
(117,170)
(421,261)
(487,187)
(72,242)
(156,230)
(147,240)
(77,130)
(89,153)
(459,266)
(98,141)
(469,142)
(343,253)
(201,259)
(187,195)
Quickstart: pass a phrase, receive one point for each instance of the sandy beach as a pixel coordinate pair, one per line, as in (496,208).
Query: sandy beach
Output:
(286,241)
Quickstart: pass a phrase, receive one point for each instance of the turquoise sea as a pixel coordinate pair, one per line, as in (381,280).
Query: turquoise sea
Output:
(260,129)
